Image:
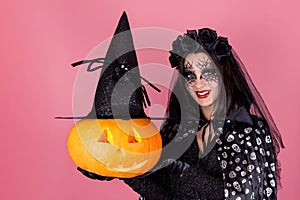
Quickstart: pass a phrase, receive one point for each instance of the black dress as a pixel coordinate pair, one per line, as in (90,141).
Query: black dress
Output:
(240,166)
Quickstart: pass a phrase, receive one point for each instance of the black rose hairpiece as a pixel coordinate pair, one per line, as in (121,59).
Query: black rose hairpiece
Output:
(221,48)
(193,41)
(207,37)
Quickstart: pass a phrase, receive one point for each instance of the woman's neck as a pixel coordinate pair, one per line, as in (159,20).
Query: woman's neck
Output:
(207,112)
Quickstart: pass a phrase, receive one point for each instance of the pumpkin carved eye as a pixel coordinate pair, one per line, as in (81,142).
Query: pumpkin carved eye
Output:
(135,137)
(106,137)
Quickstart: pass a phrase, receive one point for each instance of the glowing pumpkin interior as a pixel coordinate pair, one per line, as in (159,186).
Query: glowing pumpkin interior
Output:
(115,147)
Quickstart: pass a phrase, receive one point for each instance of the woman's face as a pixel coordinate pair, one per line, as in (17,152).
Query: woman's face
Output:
(202,79)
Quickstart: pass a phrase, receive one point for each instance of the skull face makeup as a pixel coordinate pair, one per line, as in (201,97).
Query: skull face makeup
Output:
(202,79)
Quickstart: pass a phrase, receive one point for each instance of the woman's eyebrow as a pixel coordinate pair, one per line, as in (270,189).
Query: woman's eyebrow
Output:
(189,66)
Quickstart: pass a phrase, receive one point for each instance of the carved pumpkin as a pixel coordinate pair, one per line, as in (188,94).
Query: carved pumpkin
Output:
(115,147)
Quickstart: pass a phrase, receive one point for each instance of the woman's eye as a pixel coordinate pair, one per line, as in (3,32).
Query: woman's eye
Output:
(209,73)
(190,76)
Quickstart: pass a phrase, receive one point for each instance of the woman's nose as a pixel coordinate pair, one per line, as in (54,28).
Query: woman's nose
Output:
(200,82)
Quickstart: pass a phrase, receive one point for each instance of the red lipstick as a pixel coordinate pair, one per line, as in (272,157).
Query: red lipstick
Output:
(202,94)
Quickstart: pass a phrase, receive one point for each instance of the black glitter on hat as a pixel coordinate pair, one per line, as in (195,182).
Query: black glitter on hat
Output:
(119,94)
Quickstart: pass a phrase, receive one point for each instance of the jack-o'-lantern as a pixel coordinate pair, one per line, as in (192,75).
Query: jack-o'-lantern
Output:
(115,148)
(116,138)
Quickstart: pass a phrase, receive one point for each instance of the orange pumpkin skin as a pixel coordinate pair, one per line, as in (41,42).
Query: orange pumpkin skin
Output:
(115,147)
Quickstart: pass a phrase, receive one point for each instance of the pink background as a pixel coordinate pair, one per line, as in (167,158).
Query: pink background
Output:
(39,40)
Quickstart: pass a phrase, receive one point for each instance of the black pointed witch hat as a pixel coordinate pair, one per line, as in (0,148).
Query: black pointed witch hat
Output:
(119,93)
(115,96)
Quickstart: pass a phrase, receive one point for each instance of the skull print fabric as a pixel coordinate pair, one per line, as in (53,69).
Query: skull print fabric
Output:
(248,163)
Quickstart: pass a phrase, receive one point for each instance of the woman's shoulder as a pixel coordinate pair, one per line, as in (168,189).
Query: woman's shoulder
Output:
(241,118)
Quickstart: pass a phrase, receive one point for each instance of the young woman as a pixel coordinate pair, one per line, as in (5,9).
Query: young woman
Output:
(220,141)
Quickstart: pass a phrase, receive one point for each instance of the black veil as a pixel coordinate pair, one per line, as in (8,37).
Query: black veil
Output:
(260,109)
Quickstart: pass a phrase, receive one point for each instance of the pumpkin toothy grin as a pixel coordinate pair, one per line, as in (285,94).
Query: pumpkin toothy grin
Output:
(121,168)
